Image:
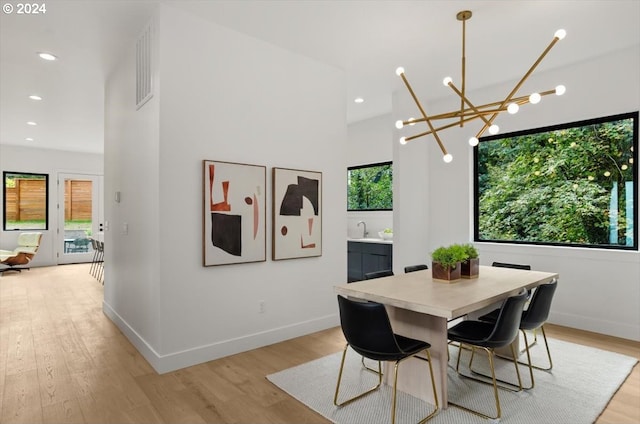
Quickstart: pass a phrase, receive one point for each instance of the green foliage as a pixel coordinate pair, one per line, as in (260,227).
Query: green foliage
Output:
(556,186)
(370,188)
(469,251)
(449,256)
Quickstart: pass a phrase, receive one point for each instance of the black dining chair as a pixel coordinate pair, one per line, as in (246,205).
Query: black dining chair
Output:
(514,266)
(378,274)
(368,331)
(371,276)
(414,268)
(490,336)
(533,318)
(94,260)
(524,267)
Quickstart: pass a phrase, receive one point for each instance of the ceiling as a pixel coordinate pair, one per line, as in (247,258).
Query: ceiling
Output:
(367,39)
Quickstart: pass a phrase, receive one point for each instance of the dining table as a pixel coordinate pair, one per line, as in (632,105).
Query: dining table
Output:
(420,307)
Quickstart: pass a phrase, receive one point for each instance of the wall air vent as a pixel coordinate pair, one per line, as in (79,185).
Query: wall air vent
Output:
(144,83)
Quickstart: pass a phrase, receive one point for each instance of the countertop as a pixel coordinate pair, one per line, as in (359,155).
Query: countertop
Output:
(370,240)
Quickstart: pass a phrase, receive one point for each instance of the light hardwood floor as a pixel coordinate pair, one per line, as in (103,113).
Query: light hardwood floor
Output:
(63,361)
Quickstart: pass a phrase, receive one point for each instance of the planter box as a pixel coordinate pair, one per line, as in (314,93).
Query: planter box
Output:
(446,275)
(470,268)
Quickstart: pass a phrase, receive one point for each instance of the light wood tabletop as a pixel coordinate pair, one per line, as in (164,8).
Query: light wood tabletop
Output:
(417,291)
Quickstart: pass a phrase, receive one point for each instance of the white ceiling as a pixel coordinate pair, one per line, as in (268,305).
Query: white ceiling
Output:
(367,39)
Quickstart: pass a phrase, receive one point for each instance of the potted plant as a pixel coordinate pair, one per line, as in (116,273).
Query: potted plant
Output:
(471,265)
(446,262)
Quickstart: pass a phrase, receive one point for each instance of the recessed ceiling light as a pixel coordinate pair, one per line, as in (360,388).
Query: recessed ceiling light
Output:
(359,100)
(35,97)
(31,123)
(47,56)
(29,139)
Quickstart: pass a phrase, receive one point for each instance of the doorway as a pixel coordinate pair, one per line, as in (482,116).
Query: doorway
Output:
(80,216)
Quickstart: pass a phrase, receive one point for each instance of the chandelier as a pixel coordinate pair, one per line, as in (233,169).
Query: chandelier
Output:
(468,111)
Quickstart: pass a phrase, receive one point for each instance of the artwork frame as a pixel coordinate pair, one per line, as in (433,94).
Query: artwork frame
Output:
(234,213)
(296,210)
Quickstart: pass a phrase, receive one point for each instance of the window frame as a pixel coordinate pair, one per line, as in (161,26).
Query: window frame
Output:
(370,165)
(565,126)
(5,174)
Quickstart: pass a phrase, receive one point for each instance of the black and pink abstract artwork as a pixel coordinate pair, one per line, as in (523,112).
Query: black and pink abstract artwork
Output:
(234,213)
(297,213)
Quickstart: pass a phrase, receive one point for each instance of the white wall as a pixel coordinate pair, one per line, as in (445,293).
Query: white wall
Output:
(598,289)
(131,150)
(222,96)
(51,162)
(369,141)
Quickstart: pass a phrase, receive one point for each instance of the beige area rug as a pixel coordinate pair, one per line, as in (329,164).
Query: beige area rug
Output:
(576,391)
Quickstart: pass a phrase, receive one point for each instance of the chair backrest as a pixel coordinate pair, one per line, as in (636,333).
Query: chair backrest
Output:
(507,325)
(366,328)
(81,242)
(378,274)
(508,265)
(539,307)
(28,243)
(413,268)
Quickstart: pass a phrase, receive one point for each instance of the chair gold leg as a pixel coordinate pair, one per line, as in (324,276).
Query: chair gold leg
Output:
(335,398)
(495,390)
(368,368)
(546,344)
(528,361)
(433,387)
(395,387)
(395,384)
(507,385)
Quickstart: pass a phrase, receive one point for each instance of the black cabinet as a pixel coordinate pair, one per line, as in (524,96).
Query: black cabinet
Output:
(365,257)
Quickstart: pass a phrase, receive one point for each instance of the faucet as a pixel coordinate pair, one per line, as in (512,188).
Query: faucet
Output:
(365,233)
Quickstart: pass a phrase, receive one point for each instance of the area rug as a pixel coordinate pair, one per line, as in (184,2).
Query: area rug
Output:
(576,391)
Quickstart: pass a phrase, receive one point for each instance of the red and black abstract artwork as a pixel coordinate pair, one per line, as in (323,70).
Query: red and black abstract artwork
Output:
(234,213)
(297,213)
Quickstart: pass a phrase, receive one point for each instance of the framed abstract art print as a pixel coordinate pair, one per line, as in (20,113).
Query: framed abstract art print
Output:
(234,213)
(297,214)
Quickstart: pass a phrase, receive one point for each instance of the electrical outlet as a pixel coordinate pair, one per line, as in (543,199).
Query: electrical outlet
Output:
(262,307)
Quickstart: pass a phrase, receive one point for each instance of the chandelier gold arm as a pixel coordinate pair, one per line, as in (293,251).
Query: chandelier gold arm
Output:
(424,115)
(464,100)
(470,112)
(463,16)
(519,84)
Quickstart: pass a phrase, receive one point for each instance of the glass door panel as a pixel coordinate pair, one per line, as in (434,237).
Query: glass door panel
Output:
(79,210)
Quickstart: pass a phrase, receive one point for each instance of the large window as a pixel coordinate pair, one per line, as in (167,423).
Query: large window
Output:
(573,185)
(369,187)
(25,201)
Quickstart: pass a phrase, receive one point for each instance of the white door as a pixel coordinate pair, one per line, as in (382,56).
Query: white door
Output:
(80,216)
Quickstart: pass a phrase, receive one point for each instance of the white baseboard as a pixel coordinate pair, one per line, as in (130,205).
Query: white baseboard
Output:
(197,355)
(624,330)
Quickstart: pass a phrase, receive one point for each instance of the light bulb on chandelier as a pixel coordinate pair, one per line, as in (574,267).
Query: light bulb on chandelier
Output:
(535,98)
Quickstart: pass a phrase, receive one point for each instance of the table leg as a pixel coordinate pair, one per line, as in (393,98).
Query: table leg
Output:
(413,375)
